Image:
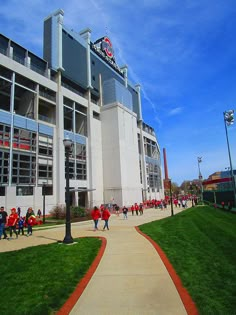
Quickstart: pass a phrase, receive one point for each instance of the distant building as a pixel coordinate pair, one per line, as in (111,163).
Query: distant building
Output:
(220,180)
(78,91)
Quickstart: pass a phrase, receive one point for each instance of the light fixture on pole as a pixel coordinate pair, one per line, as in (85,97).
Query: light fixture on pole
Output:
(229,120)
(68,147)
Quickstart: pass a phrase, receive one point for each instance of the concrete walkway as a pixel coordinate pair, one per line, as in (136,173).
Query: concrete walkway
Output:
(131,277)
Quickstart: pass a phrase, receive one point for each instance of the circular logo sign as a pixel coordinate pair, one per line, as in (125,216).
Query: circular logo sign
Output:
(106,46)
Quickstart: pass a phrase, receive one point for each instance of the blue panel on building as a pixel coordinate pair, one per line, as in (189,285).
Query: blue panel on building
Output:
(19,121)
(45,130)
(75,137)
(70,135)
(31,125)
(114,91)
(80,139)
(5,117)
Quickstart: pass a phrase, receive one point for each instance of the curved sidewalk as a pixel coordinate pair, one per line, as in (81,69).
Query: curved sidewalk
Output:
(130,278)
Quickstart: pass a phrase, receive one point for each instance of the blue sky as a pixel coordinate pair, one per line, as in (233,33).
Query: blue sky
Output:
(182,52)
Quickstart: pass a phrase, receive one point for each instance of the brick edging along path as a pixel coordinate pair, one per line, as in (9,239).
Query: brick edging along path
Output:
(189,305)
(69,304)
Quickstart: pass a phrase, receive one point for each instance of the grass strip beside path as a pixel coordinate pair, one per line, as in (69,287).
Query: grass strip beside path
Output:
(200,243)
(39,279)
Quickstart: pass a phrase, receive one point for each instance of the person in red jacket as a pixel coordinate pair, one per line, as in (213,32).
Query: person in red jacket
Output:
(12,222)
(132,209)
(105,216)
(95,216)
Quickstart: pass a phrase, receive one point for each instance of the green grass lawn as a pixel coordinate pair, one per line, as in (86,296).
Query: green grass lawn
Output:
(200,243)
(39,279)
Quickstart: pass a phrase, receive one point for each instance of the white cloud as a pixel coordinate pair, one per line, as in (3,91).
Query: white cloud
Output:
(175,111)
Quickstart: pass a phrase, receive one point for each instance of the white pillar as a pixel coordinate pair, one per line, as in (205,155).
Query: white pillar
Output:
(138,89)
(86,34)
(124,69)
(60,150)
(59,14)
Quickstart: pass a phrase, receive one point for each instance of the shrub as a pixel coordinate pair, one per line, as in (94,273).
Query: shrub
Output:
(58,212)
(77,212)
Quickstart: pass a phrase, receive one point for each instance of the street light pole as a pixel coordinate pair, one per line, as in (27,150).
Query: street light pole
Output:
(43,192)
(68,238)
(229,120)
(199,160)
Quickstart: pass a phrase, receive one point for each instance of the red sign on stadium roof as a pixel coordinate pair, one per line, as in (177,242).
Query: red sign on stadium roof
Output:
(103,47)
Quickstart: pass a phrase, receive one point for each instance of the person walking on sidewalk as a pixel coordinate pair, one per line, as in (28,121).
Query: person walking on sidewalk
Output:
(21,223)
(12,222)
(96,215)
(105,216)
(28,222)
(132,209)
(3,221)
(125,212)
(31,223)
(141,208)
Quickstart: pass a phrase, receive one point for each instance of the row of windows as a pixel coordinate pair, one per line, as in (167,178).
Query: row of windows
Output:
(26,140)
(24,168)
(28,190)
(154,175)
(77,170)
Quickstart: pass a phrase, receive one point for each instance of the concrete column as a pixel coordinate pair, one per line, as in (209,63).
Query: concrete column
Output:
(124,69)
(59,14)
(86,34)
(10,50)
(12,126)
(60,150)
(138,89)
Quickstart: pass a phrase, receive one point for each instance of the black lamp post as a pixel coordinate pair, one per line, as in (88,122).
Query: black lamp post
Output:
(199,160)
(171,200)
(229,120)
(68,146)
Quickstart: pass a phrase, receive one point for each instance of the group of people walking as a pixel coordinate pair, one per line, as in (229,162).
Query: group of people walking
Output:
(14,223)
(104,214)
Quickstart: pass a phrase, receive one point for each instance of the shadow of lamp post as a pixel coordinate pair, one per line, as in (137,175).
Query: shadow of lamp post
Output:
(68,147)
(229,120)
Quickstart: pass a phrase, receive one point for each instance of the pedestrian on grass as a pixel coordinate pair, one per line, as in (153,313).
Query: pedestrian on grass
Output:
(12,222)
(3,221)
(96,215)
(105,216)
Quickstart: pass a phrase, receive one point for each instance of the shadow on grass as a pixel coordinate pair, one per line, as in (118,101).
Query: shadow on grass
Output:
(50,238)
